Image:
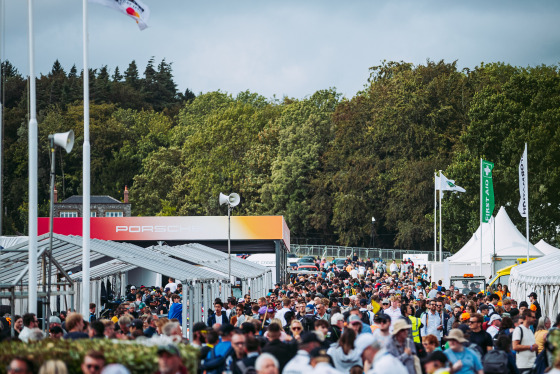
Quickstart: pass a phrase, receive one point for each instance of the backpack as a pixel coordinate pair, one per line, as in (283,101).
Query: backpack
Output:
(495,361)
(541,363)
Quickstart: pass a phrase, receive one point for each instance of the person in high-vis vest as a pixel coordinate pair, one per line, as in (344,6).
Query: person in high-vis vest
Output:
(415,322)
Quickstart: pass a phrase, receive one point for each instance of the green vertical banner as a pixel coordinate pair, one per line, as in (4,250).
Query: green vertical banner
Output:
(487,190)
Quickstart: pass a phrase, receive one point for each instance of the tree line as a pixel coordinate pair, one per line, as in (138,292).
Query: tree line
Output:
(325,162)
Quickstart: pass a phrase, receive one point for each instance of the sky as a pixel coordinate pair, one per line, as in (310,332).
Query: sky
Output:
(285,48)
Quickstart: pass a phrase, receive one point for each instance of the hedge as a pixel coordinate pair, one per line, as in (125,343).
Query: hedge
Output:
(137,357)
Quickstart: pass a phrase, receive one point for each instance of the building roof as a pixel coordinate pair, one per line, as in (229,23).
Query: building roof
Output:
(213,259)
(67,250)
(100,199)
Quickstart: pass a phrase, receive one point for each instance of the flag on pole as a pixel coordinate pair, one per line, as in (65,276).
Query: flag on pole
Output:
(447,184)
(132,8)
(523,193)
(487,190)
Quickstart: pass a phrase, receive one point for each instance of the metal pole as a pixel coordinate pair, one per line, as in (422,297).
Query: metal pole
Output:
(2,9)
(229,243)
(33,136)
(51,222)
(86,174)
(527,196)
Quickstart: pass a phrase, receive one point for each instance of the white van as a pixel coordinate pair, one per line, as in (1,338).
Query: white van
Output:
(265,259)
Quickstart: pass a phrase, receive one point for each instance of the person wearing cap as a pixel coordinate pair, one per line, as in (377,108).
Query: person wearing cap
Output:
(463,360)
(169,360)
(132,295)
(401,346)
(301,363)
(321,362)
(494,325)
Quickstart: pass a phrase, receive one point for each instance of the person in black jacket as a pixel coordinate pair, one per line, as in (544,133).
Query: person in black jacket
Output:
(219,316)
(283,352)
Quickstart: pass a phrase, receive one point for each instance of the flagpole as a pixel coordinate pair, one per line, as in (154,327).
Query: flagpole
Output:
(2,33)
(33,139)
(527,196)
(86,175)
(440,239)
(435,217)
(480,216)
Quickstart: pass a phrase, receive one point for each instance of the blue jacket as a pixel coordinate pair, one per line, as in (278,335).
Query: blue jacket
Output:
(176,311)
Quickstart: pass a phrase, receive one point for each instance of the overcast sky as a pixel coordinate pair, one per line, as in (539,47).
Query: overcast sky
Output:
(286,48)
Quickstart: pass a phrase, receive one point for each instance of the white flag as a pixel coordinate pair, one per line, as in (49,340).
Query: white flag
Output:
(523,193)
(444,184)
(132,8)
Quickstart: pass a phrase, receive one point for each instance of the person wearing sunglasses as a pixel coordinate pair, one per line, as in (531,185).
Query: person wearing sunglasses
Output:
(381,334)
(93,363)
(20,365)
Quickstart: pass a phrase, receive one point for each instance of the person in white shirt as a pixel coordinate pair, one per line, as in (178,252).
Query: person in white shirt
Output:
(286,302)
(381,334)
(524,343)
(494,325)
(354,273)
(394,268)
(394,311)
(30,322)
(171,285)
(432,321)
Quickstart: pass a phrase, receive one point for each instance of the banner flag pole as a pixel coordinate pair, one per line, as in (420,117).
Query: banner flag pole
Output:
(480,216)
(440,238)
(435,216)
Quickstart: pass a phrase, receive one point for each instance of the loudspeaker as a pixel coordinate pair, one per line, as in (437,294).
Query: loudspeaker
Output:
(232,200)
(64,140)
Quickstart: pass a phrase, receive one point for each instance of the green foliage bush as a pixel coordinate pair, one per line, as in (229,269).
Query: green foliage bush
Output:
(138,358)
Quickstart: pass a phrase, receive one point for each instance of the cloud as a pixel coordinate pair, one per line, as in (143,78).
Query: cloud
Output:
(288,48)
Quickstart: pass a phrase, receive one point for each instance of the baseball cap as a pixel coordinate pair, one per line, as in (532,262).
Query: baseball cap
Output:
(54,319)
(319,352)
(168,348)
(137,323)
(385,301)
(133,287)
(309,308)
(309,337)
(354,318)
(262,310)
(141,305)
(483,307)
(533,294)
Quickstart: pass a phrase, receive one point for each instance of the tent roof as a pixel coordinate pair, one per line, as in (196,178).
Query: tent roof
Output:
(105,269)
(10,241)
(546,248)
(540,271)
(509,242)
(213,259)
(67,250)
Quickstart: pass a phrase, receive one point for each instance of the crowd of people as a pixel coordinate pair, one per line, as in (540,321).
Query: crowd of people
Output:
(361,317)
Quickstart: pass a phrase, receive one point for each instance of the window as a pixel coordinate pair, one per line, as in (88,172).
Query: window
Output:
(113,214)
(92,214)
(68,214)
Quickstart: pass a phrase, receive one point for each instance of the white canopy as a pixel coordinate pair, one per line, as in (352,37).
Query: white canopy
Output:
(546,248)
(542,277)
(510,243)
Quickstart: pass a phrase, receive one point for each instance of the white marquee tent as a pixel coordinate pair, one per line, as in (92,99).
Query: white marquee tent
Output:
(542,277)
(546,248)
(510,243)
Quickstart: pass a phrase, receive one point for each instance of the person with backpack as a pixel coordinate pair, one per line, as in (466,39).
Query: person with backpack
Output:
(478,336)
(500,360)
(524,343)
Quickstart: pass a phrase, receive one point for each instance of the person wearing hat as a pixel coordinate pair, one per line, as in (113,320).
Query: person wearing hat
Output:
(169,360)
(321,362)
(301,363)
(463,360)
(401,346)
(494,325)
(132,295)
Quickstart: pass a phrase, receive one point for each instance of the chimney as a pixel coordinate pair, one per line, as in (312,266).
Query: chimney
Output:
(125,194)
(55,200)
